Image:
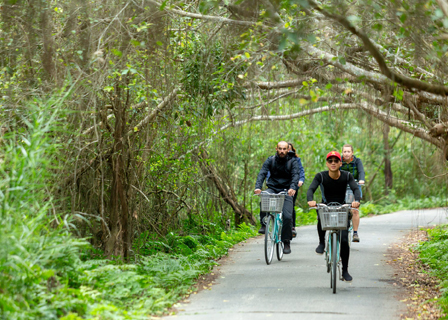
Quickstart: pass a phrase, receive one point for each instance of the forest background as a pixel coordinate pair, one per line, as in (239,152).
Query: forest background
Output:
(132,133)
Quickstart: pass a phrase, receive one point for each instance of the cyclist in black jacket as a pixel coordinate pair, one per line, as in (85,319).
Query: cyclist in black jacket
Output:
(284,176)
(334,183)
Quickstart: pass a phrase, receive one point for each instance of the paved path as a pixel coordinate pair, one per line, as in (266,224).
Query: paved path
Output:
(298,287)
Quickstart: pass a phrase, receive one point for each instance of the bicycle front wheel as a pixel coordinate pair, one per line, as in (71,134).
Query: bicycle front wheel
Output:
(334,260)
(327,252)
(279,243)
(279,250)
(269,239)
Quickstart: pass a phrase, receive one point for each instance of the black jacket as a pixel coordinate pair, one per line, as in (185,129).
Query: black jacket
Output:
(283,176)
(334,190)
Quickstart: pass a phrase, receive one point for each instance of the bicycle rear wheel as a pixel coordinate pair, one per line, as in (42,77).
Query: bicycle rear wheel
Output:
(269,239)
(334,260)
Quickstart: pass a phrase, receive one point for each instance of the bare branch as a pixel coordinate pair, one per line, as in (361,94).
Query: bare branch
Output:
(401,124)
(334,107)
(206,17)
(400,79)
(398,59)
(88,130)
(370,76)
(443,6)
(274,85)
(155,112)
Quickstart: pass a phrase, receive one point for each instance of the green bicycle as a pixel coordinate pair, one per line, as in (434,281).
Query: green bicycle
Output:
(334,217)
(273,204)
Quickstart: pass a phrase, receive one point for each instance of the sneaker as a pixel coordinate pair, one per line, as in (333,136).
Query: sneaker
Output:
(355,237)
(346,276)
(294,232)
(320,248)
(262,230)
(286,247)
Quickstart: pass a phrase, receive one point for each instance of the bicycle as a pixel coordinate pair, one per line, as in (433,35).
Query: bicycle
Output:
(349,195)
(272,204)
(333,217)
(349,198)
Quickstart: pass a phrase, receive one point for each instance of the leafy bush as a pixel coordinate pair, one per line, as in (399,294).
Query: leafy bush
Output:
(434,253)
(42,275)
(37,262)
(406,203)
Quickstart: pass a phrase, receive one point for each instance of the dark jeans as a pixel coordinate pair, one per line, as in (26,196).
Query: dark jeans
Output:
(286,216)
(345,248)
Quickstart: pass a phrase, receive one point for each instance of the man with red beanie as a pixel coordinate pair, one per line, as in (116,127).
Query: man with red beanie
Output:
(334,185)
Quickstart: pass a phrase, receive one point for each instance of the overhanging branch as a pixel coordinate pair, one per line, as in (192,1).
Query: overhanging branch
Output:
(400,79)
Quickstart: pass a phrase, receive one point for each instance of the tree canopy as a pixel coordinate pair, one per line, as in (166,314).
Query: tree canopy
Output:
(158,90)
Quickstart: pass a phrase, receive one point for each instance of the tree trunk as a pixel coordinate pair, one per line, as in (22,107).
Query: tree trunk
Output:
(388,177)
(119,241)
(226,191)
(48,43)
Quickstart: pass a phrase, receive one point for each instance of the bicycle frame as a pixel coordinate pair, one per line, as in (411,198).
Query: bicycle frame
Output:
(278,224)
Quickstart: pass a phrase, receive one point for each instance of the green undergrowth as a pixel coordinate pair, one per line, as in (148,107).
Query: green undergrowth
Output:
(153,283)
(392,204)
(46,273)
(434,253)
(387,205)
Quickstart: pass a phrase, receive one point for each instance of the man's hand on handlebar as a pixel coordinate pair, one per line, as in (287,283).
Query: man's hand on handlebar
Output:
(361,182)
(312,203)
(355,204)
(291,192)
(257,191)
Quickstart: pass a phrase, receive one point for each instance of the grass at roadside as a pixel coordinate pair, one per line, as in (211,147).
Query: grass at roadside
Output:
(434,253)
(47,273)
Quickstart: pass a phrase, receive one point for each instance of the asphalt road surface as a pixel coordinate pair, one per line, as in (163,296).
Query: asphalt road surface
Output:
(298,287)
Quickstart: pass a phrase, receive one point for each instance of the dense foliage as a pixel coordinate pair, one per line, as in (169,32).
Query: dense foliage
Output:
(434,253)
(151,158)
(47,273)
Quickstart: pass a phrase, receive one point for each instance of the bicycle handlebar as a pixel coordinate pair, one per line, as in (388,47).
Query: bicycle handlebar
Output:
(265,192)
(323,205)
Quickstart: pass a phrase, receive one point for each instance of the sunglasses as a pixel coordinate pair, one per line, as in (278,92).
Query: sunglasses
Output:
(333,160)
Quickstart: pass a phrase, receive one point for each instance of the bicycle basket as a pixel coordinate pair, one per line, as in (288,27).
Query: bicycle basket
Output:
(272,202)
(334,217)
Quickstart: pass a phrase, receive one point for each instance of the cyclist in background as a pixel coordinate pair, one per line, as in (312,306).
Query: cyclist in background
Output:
(334,184)
(284,176)
(353,165)
(292,152)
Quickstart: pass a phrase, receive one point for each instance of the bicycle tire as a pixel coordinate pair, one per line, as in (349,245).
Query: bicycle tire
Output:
(279,246)
(269,239)
(334,262)
(327,253)
(279,243)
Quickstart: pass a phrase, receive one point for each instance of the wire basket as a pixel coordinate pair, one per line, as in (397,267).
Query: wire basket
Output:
(272,202)
(334,217)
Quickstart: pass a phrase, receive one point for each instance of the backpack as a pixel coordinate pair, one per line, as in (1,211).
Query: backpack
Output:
(354,168)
